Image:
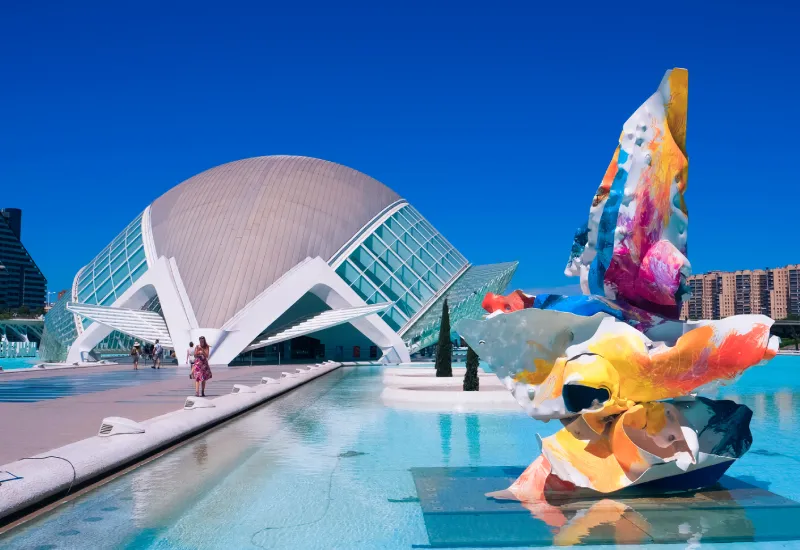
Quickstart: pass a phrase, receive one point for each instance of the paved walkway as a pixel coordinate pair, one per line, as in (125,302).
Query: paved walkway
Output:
(43,410)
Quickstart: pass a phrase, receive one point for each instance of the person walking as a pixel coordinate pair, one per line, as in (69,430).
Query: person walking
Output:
(190,359)
(136,351)
(201,370)
(158,355)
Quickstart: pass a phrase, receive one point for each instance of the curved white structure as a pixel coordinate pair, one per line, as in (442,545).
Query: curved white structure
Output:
(263,251)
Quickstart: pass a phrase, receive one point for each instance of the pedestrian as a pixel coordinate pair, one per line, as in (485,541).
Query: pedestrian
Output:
(201,370)
(148,353)
(158,355)
(190,359)
(136,351)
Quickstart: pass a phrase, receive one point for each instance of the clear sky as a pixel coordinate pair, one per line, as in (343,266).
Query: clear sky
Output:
(497,122)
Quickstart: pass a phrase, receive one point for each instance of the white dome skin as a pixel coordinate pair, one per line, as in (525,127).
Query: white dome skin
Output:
(236,228)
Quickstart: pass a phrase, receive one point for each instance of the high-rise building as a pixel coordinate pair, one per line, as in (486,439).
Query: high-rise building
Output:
(718,294)
(21,281)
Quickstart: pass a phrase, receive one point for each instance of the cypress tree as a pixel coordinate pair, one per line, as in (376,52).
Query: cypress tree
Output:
(444,352)
(471,380)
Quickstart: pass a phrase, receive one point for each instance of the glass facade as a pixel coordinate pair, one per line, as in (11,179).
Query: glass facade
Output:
(404,260)
(100,282)
(59,332)
(112,271)
(464,300)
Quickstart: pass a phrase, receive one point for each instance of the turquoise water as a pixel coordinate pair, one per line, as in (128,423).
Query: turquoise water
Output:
(19,363)
(329,466)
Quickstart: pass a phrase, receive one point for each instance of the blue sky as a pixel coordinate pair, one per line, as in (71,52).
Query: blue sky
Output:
(496,121)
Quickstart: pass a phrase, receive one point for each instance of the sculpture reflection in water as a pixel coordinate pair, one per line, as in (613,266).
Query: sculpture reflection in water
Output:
(615,365)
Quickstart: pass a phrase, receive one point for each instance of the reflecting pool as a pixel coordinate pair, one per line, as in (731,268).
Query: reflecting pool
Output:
(328,466)
(17,363)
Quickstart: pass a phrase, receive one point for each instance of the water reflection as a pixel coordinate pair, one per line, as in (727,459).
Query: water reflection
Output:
(732,511)
(785,410)
(474,438)
(446,434)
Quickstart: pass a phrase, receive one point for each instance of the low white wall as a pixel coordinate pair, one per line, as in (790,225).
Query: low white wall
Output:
(96,455)
(485,379)
(495,398)
(426,371)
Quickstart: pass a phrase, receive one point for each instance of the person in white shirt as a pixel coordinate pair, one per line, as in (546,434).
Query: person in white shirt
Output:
(158,354)
(190,358)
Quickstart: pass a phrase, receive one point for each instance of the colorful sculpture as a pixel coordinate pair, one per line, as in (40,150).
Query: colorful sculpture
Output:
(615,365)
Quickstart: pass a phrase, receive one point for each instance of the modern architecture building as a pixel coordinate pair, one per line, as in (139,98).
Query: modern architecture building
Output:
(272,258)
(719,294)
(22,283)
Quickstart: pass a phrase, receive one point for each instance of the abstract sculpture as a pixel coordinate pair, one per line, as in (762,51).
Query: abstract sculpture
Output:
(615,365)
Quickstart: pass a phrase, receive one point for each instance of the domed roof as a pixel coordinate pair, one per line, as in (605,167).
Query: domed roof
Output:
(236,228)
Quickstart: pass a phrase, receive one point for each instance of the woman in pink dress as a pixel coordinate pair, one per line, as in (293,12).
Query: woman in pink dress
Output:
(201,370)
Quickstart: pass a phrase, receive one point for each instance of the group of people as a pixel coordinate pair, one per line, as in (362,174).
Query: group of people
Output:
(196,358)
(155,353)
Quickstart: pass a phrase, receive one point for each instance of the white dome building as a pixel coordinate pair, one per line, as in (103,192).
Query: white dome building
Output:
(266,256)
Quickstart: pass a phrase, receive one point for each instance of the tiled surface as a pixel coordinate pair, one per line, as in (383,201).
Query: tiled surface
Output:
(40,411)
(32,390)
(458,514)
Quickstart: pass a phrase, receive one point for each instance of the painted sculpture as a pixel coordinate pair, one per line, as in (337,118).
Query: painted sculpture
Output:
(616,366)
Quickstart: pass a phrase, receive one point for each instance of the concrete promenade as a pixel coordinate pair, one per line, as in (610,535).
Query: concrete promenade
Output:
(29,428)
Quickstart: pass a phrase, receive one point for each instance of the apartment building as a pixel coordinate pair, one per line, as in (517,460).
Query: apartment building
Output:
(719,294)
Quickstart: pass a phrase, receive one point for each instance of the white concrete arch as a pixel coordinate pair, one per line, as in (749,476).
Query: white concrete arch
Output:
(311,275)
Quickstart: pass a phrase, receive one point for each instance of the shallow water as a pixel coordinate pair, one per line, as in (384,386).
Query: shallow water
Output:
(329,466)
(19,363)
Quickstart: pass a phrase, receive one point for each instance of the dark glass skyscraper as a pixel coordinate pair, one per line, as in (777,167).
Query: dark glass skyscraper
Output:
(21,281)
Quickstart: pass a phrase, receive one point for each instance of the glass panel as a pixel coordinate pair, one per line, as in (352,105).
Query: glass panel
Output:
(440,271)
(391,260)
(398,228)
(392,289)
(388,237)
(433,281)
(86,276)
(419,268)
(375,245)
(118,260)
(137,257)
(361,258)
(412,243)
(411,214)
(408,277)
(448,265)
(402,250)
(139,270)
(102,277)
(432,250)
(108,300)
(389,317)
(347,272)
(134,232)
(425,257)
(409,305)
(377,273)
(103,290)
(363,288)
(120,274)
(402,220)
(422,291)
(118,241)
(421,238)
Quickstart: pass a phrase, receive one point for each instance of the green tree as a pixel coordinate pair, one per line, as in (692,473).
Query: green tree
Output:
(471,380)
(444,352)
